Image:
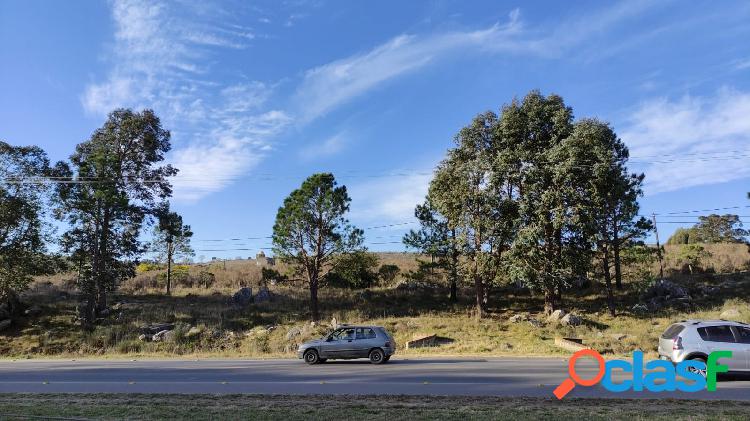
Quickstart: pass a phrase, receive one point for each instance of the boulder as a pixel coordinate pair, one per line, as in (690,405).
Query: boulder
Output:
(730,314)
(33,311)
(4,324)
(243,297)
(156,328)
(518,318)
(293,332)
(160,336)
(144,338)
(556,316)
(535,323)
(168,336)
(571,319)
(263,295)
(4,313)
(639,309)
(193,332)
(334,323)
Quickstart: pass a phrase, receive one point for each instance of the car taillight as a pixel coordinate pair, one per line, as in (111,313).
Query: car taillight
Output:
(387,345)
(677,343)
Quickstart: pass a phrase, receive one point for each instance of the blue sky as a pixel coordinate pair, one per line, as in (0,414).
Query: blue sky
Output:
(258,95)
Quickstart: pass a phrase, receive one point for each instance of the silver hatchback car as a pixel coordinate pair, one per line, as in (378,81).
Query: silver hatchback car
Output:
(695,339)
(348,342)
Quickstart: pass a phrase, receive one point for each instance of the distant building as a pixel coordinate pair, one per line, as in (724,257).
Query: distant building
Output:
(262,260)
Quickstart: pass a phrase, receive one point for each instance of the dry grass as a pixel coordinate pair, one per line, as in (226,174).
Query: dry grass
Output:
(320,407)
(233,332)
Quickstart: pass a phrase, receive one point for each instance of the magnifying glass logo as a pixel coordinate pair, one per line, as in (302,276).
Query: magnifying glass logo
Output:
(570,383)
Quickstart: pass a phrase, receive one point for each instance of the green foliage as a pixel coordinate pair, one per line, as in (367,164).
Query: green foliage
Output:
(22,230)
(311,229)
(357,269)
(692,255)
(104,200)
(206,279)
(711,229)
(388,273)
(268,274)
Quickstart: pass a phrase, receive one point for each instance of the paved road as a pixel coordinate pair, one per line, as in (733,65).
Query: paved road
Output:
(444,376)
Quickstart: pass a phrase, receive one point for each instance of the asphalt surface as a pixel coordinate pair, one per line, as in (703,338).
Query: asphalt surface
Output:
(532,377)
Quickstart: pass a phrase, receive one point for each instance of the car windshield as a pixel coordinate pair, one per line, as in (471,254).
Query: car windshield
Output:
(341,334)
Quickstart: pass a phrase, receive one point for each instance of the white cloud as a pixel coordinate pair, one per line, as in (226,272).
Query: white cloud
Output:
(159,56)
(691,141)
(333,84)
(388,199)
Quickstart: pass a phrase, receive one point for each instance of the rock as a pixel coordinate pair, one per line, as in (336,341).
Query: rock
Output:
(193,332)
(33,311)
(639,309)
(731,314)
(556,316)
(117,306)
(4,313)
(159,336)
(168,336)
(518,318)
(156,328)
(334,323)
(535,323)
(313,324)
(506,346)
(144,338)
(571,319)
(291,333)
(4,324)
(263,295)
(105,313)
(667,289)
(618,336)
(243,297)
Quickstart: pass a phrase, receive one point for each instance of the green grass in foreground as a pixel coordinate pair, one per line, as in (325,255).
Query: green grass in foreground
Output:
(272,407)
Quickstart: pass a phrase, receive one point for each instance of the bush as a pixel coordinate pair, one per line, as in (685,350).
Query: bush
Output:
(354,270)
(147,267)
(388,273)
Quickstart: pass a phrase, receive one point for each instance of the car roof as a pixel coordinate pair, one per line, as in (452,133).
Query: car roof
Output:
(355,326)
(712,322)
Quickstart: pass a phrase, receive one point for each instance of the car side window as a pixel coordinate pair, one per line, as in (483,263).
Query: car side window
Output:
(365,333)
(716,334)
(744,334)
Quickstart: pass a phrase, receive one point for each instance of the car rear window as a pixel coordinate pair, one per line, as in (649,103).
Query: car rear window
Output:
(716,334)
(672,331)
(744,334)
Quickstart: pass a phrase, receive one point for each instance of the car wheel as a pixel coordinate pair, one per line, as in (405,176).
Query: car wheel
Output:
(311,357)
(377,356)
(695,370)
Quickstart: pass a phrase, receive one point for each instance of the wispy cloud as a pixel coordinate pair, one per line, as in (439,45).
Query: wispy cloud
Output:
(328,147)
(388,199)
(331,85)
(159,58)
(690,141)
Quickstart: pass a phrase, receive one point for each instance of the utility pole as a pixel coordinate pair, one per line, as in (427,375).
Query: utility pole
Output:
(658,247)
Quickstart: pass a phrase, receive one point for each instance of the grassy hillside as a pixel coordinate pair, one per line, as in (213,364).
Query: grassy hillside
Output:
(263,329)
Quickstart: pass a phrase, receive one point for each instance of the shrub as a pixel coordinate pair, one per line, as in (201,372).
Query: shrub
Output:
(388,273)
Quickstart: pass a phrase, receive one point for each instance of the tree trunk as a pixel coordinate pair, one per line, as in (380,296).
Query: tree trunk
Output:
(608,283)
(550,300)
(454,270)
(169,268)
(314,298)
(616,255)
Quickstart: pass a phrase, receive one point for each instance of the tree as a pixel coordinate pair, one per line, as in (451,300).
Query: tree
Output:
(711,229)
(388,273)
(436,239)
(171,240)
(311,229)
(354,270)
(111,185)
(692,255)
(552,246)
(22,232)
(609,194)
(476,200)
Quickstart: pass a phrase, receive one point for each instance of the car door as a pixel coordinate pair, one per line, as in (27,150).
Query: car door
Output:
(722,338)
(365,341)
(743,338)
(340,344)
